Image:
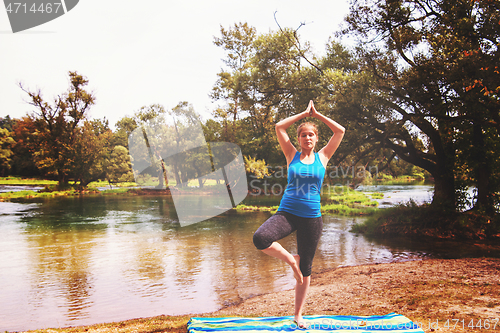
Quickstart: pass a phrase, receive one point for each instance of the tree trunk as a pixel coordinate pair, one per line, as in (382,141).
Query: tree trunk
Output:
(61,179)
(444,191)
(444,178)
(482,171)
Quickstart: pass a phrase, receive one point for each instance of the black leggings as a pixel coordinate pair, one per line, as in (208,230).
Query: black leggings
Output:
(283,224)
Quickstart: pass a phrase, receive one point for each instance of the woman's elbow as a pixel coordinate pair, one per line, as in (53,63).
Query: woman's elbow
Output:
(278,127)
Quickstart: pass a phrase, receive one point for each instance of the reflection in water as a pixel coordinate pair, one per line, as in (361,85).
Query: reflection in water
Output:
(77,261)
(60,262)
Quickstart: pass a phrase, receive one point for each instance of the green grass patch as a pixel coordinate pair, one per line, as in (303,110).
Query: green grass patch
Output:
(26,181)
(105,183)
(28,194)
(346,210)
(115,190)
(377,195)
(271,209)
(346,201)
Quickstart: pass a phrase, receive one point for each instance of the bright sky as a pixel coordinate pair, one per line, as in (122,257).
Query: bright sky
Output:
(137,53)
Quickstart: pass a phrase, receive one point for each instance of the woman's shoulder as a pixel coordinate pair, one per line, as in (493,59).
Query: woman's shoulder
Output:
(321,158)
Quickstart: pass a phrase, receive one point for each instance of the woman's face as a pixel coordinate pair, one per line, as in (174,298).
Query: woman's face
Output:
(307,138)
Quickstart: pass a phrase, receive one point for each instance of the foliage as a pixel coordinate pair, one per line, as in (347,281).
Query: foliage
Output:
(251,88)
(43,194)
(7,122)
(89,153)
(23,163)
(377,195)
(256,168)
(57,128)
(119,167)
(434,69)
(169,145)
(6,144)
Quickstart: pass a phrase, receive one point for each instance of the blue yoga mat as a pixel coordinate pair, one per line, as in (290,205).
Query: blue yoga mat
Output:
(388,323)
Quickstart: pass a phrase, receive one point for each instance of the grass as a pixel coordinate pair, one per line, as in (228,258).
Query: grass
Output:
(26,181)
(349,202)
(271,209)
(115,191)
(346,210)
(377,195)
(28,194)
(105,183)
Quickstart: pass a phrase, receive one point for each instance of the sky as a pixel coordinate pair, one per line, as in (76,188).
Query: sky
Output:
(138,53)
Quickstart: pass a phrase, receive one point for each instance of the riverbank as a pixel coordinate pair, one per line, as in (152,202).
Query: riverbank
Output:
(442,295)
(427,221)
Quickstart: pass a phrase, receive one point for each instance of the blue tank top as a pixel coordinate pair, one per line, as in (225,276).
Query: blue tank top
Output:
(302,193)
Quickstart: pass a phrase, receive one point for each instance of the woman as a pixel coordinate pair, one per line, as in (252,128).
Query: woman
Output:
(300,205)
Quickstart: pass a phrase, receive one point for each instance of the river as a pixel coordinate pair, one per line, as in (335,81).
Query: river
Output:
(85,260)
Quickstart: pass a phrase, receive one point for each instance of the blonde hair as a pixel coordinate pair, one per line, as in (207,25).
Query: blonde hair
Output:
(307,123)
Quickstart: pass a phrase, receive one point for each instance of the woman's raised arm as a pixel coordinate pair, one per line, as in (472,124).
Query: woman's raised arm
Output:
(338,133)
(286,145)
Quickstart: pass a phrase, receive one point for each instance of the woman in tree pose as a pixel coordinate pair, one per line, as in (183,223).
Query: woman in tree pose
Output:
(300,207)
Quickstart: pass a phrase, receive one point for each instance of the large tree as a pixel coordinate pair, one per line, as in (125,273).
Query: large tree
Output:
(61,139)
(435,69)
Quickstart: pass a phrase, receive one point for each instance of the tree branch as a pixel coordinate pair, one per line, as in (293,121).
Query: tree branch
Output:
(296,43)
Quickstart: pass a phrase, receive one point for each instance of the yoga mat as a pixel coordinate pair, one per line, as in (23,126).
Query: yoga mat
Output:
(387,323)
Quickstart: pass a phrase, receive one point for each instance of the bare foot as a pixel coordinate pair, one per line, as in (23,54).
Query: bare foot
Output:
(300,322)
(297,274)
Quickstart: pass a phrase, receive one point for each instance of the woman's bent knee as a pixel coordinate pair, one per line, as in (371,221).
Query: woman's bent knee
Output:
(305,266)
(260,241)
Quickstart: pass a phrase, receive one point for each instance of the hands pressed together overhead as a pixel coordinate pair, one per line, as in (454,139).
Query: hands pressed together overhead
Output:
(311,109)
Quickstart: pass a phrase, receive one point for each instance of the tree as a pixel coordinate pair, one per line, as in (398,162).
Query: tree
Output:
(23,162)
(187,141)
(434,63)
(88,158)
(146,141)
(6,144)
(7,123)
(164,143)
(125,126)
(57,128)
(119,167)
